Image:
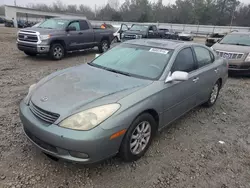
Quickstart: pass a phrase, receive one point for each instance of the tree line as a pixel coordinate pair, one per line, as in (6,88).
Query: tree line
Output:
(203,12)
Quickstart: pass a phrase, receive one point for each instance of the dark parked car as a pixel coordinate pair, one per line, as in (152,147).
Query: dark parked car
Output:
(58,36)
(169,33)
(2,20)
(117,102)
(9,23)
(213,38)
(138,31)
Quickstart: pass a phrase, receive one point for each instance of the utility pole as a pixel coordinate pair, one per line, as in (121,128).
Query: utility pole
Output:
(232,18)
(15,3)
(95,10)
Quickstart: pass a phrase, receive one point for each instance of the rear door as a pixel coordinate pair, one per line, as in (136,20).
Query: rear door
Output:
(87,34)
(207,72)
(180,96)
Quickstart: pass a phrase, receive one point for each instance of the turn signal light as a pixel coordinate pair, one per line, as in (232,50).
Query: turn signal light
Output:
(117,134)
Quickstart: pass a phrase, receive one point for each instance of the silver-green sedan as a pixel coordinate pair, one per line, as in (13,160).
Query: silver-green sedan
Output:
(117,102)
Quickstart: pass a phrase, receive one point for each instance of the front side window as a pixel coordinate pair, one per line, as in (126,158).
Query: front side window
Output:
(184,61)
(133,60)
(124,27)
(75,24)
(154,28)
(203,56)
(139,28)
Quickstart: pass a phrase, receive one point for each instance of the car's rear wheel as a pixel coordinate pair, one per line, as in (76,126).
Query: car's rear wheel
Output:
(57,51)
(213,95)
(104,46)
(30,53)
(138,137)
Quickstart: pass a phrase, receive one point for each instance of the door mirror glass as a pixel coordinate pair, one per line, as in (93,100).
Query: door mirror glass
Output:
(177,76)
(71,28)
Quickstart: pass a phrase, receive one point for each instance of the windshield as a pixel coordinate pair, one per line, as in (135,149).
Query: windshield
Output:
(139,28)
(133,60)
(239,39)
(54,24)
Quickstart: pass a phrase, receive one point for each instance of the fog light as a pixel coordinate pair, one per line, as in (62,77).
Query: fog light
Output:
(78,154)
(42,48)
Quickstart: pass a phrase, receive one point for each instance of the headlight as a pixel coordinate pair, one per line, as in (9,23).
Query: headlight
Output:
(90,118)
(44,37)
(30,92)
(248,57)
(138,36)
(122,35)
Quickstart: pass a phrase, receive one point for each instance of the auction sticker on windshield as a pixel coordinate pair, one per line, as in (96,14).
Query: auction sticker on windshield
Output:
(157,50)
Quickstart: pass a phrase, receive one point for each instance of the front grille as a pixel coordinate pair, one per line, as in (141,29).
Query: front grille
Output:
(229,55)
(233,66)
(44,115)
(27,37)
(39,142)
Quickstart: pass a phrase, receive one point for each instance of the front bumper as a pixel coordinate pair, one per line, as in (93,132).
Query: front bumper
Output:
(34,48)
(93,146)
(243,69)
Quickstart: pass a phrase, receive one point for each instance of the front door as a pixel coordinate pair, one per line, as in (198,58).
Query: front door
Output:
(75,41)
(180,96)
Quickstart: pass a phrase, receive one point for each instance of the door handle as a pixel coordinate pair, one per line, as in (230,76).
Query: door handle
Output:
(80,33)
(195,79)
(216,70)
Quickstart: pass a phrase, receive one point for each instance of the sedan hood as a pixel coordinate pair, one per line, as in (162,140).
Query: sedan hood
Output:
(231,48)
(78,86)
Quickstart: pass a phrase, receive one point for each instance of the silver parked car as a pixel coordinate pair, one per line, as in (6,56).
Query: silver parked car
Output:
(117,102)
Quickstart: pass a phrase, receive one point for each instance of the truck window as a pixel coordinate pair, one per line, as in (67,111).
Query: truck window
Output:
(150,28)
(75,24)
(84,25)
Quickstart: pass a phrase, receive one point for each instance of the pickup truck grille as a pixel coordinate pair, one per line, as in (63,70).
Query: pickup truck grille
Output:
(44,115)
(27,37)
(229,55)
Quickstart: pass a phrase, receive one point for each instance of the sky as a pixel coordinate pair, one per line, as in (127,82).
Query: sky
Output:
(90,3)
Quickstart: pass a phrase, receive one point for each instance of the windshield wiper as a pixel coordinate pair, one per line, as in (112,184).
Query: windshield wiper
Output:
(118,72)
(109,69)
(238,44)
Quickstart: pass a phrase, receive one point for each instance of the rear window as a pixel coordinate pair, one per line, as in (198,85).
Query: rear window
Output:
(236,39)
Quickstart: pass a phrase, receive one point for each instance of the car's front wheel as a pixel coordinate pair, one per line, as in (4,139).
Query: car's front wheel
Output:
(104,46)
(138,137)
(213,95)
(56,51)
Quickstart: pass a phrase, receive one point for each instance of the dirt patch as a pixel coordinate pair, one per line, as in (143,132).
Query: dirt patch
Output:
(205,148)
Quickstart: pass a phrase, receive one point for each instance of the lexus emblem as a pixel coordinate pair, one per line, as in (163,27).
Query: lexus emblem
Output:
(44,99)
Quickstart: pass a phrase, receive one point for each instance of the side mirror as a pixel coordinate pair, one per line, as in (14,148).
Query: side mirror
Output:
(177,76)
(96,55)
(70,28)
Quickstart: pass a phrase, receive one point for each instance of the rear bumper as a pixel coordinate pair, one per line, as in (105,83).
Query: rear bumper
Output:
(34,48)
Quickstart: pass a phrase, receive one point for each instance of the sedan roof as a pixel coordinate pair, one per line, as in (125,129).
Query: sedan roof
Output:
(156,43)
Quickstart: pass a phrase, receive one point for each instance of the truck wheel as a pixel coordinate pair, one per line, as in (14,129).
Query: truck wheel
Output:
(56,51)
(30,53)
(104,46)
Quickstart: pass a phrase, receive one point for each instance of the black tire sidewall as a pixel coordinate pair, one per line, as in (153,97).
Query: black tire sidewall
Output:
(51,52)
(125,151)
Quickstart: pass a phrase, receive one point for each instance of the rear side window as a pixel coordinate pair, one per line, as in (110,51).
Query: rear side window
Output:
(184,61)
(75,24)
(84,25)
(203,56)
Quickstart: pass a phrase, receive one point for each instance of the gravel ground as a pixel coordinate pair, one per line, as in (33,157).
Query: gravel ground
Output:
(205,148)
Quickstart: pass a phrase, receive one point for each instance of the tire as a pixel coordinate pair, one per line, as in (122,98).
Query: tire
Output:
(213,95)
(30,53)
(128,150)
(57,51)
(104,46)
